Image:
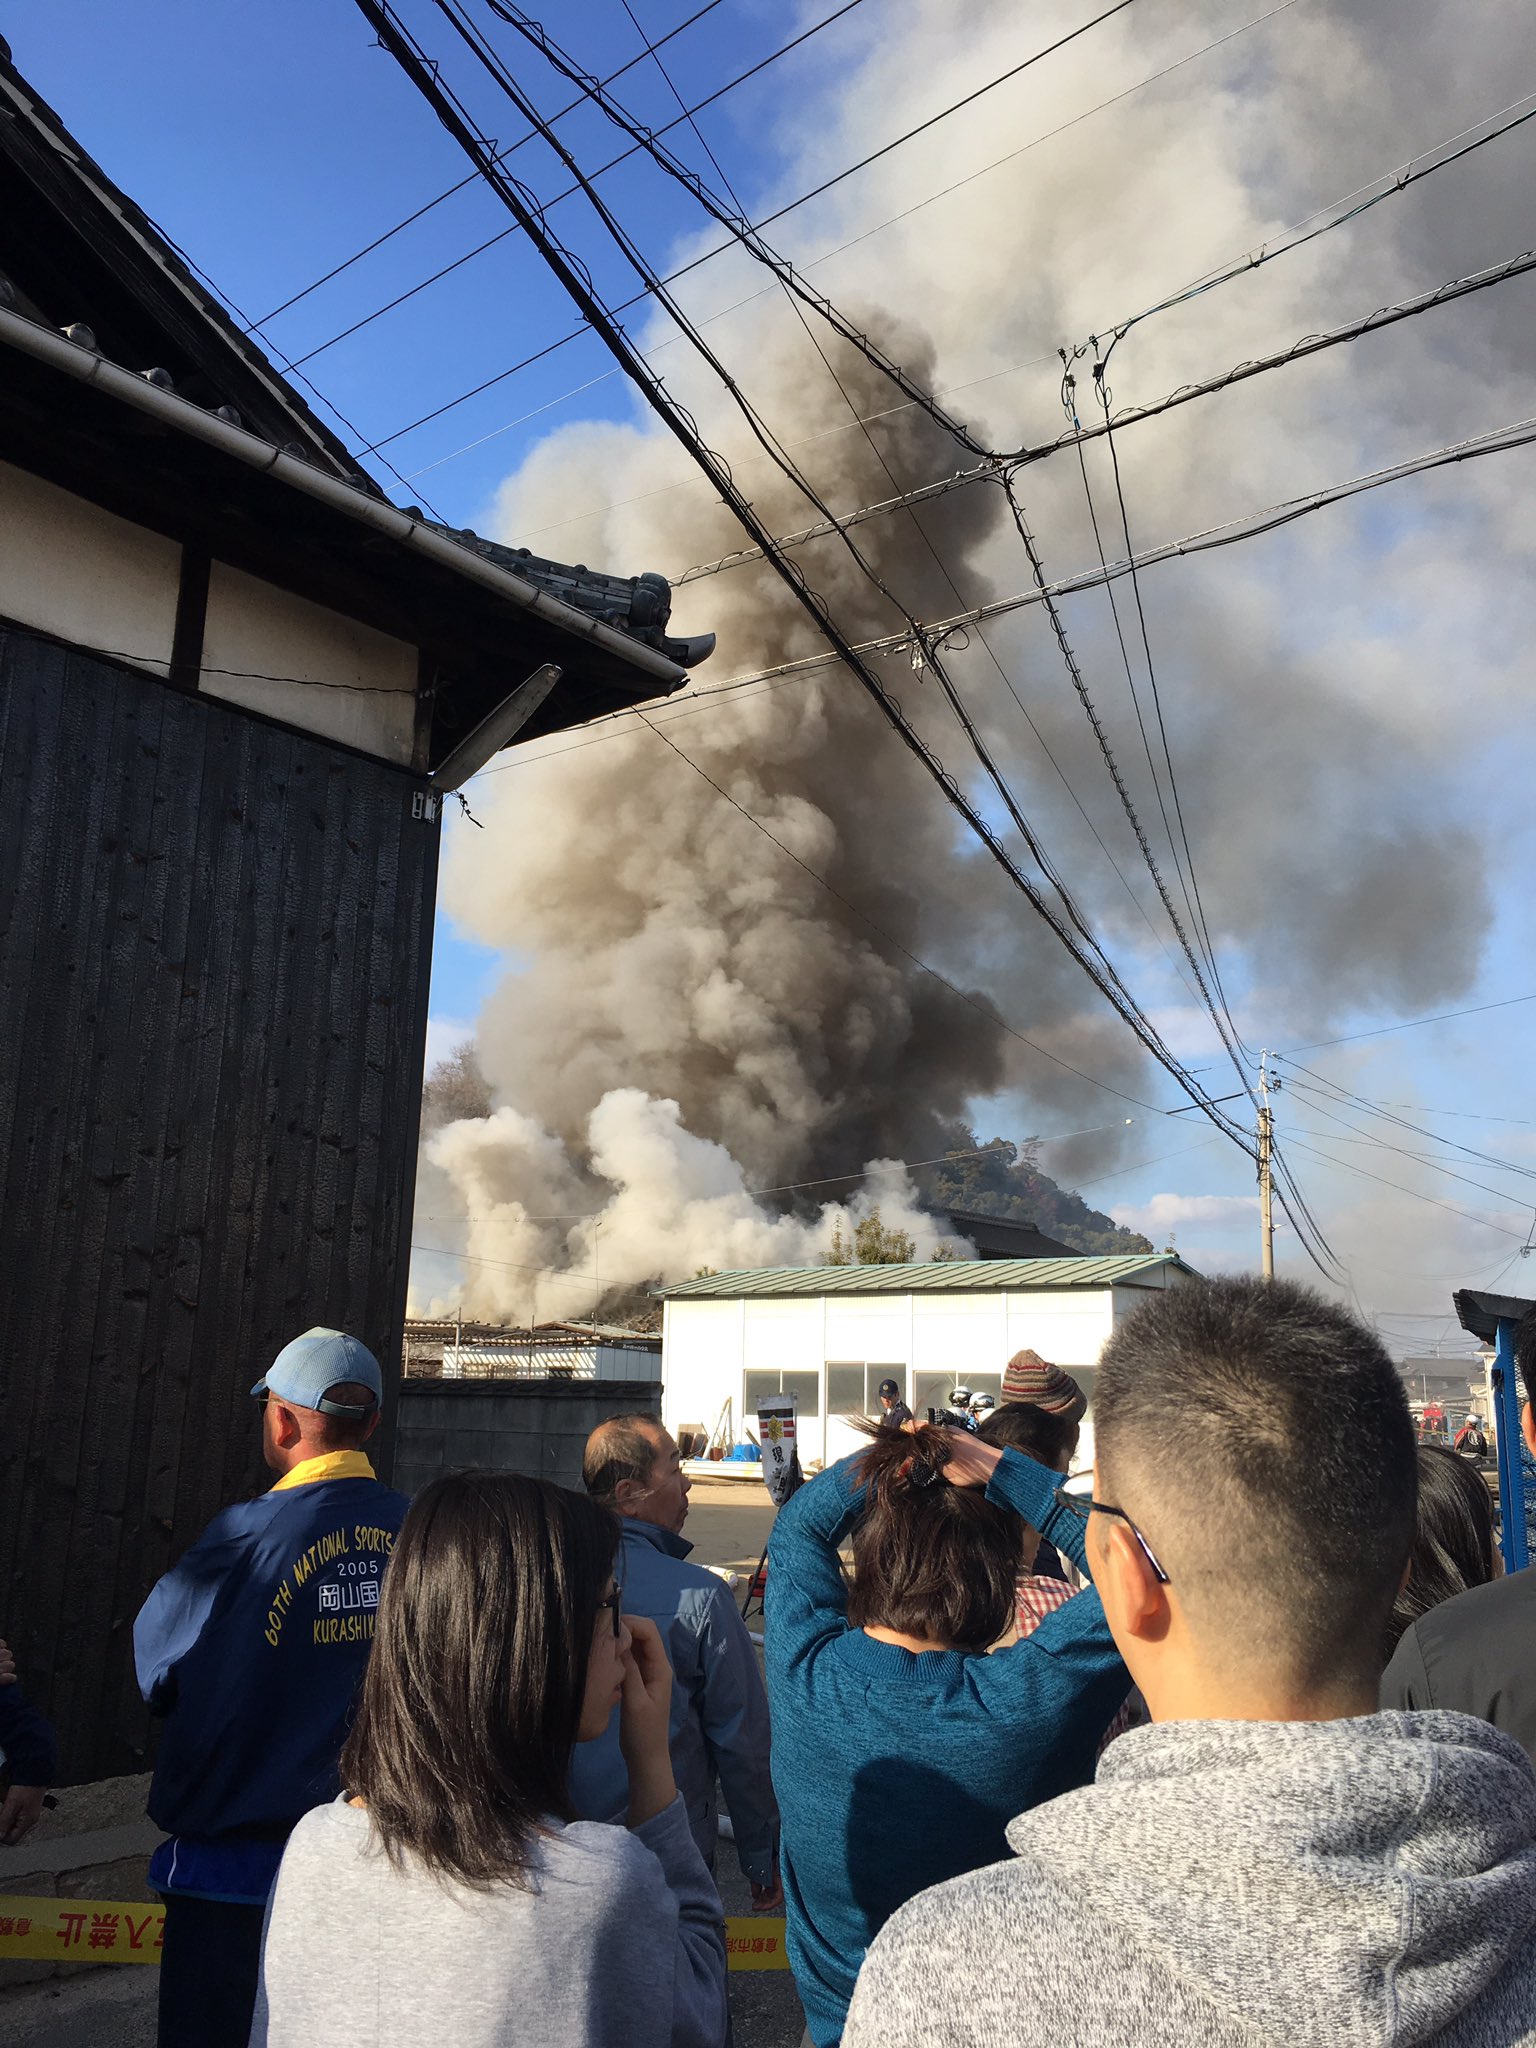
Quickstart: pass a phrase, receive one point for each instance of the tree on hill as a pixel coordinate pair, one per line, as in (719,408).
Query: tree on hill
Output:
(1004,1179)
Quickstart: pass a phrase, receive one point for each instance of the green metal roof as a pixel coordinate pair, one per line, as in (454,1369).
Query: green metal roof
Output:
(953,1276)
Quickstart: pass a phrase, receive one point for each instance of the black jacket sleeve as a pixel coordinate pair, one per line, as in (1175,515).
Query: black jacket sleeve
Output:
(31,1757)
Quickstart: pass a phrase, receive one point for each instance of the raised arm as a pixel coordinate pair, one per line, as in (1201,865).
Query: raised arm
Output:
(807,1601)
(1030,1490)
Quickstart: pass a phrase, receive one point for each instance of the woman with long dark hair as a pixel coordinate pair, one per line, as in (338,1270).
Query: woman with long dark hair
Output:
(1453,1545)
(901,1749)
(449,1895)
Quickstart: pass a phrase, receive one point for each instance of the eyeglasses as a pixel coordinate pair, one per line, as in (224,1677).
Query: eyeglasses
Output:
(615,1600)
(1083,1505)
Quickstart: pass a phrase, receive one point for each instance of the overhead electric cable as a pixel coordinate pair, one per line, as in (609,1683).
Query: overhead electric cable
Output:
(463,184)
(1187,869)
(1496,441)
(1417,168)
(826,256)
(540,39)
(750,236)
(924,537)
(1104,972)
(1309,345)
(1101,736)
(450,111)
(505,233)
(1397,1187)
(1411,1023)
(292,369)
(1320,1090)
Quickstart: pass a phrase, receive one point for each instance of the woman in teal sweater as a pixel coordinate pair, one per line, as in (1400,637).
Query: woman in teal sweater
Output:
(901,1750)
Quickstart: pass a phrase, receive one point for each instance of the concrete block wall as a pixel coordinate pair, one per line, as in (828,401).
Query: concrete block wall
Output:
(95,1845)
(535,1426)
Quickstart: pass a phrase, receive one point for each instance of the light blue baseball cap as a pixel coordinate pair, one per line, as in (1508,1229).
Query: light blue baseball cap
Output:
(304,1370)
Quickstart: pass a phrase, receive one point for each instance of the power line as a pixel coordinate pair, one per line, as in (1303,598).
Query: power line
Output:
(479,250)
(743,230)
(921,531)
(539,38)
(696,262)
(450,111)
(795,1187)
(841,248)
(1411,173)
(1193,884)
(1497,441)
(1104,972)
(463,184)
(1330,1091)
(994,470)
(1412,1023)
(292,369)
(1397,1187)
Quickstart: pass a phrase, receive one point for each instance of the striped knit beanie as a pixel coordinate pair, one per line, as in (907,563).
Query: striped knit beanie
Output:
(1028,1377)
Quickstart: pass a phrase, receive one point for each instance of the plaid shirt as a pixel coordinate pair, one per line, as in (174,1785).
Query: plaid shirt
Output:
(1036,1598)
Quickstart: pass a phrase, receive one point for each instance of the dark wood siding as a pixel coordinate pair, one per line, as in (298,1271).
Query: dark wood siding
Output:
(215,940)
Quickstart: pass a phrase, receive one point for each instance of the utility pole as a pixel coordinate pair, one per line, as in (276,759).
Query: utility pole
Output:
(1266,1146)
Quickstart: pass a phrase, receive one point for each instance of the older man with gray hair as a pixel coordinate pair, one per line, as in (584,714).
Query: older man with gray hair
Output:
(719,1706)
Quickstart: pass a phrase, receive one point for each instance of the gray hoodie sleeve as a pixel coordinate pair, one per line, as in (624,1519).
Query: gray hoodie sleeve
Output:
(698,1998)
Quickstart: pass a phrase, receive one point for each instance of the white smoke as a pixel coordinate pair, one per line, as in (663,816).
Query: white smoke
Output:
(675,1203)
(690,1013)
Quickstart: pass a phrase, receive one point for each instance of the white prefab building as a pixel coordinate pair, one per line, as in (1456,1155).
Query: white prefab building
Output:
(831,1334)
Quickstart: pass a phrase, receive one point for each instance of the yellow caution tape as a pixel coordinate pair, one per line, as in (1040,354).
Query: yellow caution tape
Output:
(755,1942)
(80,1931)
(121,1931)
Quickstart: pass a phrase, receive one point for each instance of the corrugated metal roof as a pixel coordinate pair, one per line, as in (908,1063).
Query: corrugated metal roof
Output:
(954,1276)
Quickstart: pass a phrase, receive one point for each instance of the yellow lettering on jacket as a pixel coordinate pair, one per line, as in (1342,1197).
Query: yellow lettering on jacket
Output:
(343,1628)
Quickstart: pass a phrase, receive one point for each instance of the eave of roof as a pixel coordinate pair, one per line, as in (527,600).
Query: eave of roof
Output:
(97,227)
(100,430)
(953,1276)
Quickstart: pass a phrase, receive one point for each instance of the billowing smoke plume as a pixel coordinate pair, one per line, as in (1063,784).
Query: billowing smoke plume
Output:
(691,1014)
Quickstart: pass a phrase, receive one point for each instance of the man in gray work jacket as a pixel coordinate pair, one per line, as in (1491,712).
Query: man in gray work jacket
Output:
(719,1707)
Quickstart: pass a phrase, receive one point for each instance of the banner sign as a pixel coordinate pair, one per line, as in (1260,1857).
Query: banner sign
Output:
(128,1931)
(776,1435)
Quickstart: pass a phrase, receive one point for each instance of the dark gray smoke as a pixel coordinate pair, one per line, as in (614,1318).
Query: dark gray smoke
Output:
(1317,685)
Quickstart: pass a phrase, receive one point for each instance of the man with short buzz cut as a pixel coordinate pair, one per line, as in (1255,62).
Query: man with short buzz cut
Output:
(1476,1654)
(252,1648)
(1271,1861)
(719,1706)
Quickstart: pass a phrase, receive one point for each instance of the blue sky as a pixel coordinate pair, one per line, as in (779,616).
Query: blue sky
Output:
(273,143)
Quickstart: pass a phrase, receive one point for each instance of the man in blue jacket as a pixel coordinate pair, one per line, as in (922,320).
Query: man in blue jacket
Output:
(252,1647)
(719,1707)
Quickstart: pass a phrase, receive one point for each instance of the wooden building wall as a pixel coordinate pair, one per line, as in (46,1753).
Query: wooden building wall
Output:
(215,940)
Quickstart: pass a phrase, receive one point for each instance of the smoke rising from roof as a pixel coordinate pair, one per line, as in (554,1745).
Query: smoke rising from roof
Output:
(688,1013)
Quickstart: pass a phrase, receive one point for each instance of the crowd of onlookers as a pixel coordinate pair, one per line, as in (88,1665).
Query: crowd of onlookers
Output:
(1232,1749)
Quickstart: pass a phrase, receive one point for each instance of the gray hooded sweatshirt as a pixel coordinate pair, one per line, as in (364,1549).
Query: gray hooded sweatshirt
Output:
(1322,1884)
